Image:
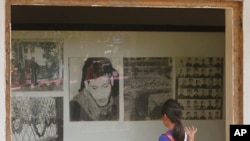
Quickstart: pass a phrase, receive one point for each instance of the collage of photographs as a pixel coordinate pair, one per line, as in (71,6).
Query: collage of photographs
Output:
(38,66)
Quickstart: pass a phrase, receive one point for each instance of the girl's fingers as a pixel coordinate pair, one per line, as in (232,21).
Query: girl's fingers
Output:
(191,129)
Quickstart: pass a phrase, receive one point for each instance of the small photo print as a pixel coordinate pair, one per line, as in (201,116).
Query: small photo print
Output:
(36,65)
(37,119)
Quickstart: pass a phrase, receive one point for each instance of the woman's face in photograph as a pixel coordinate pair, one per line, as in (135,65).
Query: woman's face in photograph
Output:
(100,90)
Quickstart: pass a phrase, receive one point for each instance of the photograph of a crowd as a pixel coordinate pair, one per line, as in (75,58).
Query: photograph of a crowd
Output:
(147,84)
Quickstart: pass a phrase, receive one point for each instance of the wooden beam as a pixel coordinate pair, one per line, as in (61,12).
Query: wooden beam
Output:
(134,3)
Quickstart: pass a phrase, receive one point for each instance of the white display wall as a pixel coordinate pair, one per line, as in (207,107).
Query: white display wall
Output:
(116,45)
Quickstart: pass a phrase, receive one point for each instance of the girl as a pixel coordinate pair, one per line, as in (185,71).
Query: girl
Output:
(171,118)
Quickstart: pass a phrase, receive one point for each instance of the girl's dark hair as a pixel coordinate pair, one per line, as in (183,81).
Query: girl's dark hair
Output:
(174,112)
(95,67)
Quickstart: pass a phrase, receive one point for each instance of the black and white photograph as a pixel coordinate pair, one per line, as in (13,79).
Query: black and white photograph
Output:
(147,85)
(37,119)
(202,115)
(199,86)
(94,89)
(36,65)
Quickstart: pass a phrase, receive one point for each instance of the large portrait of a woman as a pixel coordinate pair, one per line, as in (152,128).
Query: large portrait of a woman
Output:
(95,96)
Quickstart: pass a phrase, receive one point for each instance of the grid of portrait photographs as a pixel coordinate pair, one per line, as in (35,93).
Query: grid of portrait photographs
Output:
(36,65)
(37,118)
(199,87)
(147,85)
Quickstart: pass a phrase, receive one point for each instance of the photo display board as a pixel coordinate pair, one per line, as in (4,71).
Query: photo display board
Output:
(111,82)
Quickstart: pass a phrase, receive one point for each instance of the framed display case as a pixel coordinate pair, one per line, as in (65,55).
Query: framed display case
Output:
(136,66)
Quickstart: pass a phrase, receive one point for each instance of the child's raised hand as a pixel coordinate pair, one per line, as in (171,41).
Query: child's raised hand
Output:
(191,131)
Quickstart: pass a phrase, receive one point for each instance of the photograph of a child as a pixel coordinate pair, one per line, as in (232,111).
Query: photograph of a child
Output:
(97,95)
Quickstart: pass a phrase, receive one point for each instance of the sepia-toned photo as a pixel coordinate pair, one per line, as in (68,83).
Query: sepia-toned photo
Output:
(37,119)
(199,86)
(36,65)
(147,85)
(94,89)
